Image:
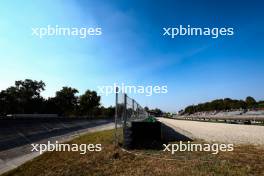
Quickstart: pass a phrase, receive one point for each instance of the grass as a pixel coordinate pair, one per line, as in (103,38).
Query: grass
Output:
(244,160)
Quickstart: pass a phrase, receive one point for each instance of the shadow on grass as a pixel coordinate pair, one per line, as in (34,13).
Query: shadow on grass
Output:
(149,135)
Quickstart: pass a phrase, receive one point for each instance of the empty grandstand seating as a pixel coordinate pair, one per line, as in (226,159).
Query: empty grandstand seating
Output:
(231,116)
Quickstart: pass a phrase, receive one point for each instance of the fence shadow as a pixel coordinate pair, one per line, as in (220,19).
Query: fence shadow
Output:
(149,135)
(170,135)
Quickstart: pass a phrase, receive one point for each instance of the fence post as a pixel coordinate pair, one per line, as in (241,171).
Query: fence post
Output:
(133,108)
(116,116)
(125,111)
(125,137)
(137,111)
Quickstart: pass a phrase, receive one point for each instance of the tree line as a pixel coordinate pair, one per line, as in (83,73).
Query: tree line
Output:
(225,105)
(25,98)
(154,112)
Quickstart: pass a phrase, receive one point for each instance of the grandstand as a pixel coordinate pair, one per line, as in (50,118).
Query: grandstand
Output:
(236,116)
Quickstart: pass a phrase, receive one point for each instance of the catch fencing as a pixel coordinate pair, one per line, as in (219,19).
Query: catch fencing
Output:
(127,110)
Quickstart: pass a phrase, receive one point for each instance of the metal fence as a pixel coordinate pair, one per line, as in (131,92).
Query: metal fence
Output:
(127,110)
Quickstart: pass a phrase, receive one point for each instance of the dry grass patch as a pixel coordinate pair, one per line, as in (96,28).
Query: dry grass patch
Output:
(245,160)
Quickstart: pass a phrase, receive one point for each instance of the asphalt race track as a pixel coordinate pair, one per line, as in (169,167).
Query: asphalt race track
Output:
(17,135)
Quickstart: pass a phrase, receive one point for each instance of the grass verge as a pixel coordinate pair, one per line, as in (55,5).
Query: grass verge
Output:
(244,160)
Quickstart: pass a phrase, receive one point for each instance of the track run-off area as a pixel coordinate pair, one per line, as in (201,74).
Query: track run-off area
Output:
(218,132)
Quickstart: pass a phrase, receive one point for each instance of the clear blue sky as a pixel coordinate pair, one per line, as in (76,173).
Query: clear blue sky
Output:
(132,49)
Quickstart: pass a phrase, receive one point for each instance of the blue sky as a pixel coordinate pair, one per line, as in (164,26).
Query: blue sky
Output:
(133,51)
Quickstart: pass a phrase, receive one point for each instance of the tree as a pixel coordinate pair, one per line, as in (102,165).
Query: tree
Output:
(24,97)
(51,107)
(261,104)
(105,112)
(250,102)
(29,89)
(89,101)
(157,112)
(223,105)
(66,100)
(146,108)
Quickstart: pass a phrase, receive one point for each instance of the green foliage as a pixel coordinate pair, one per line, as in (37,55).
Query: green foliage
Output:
(155,112)
(223,105)
(260,105)
(150,119)
(88,102)
(25,97)
(251,102)
(66,100)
